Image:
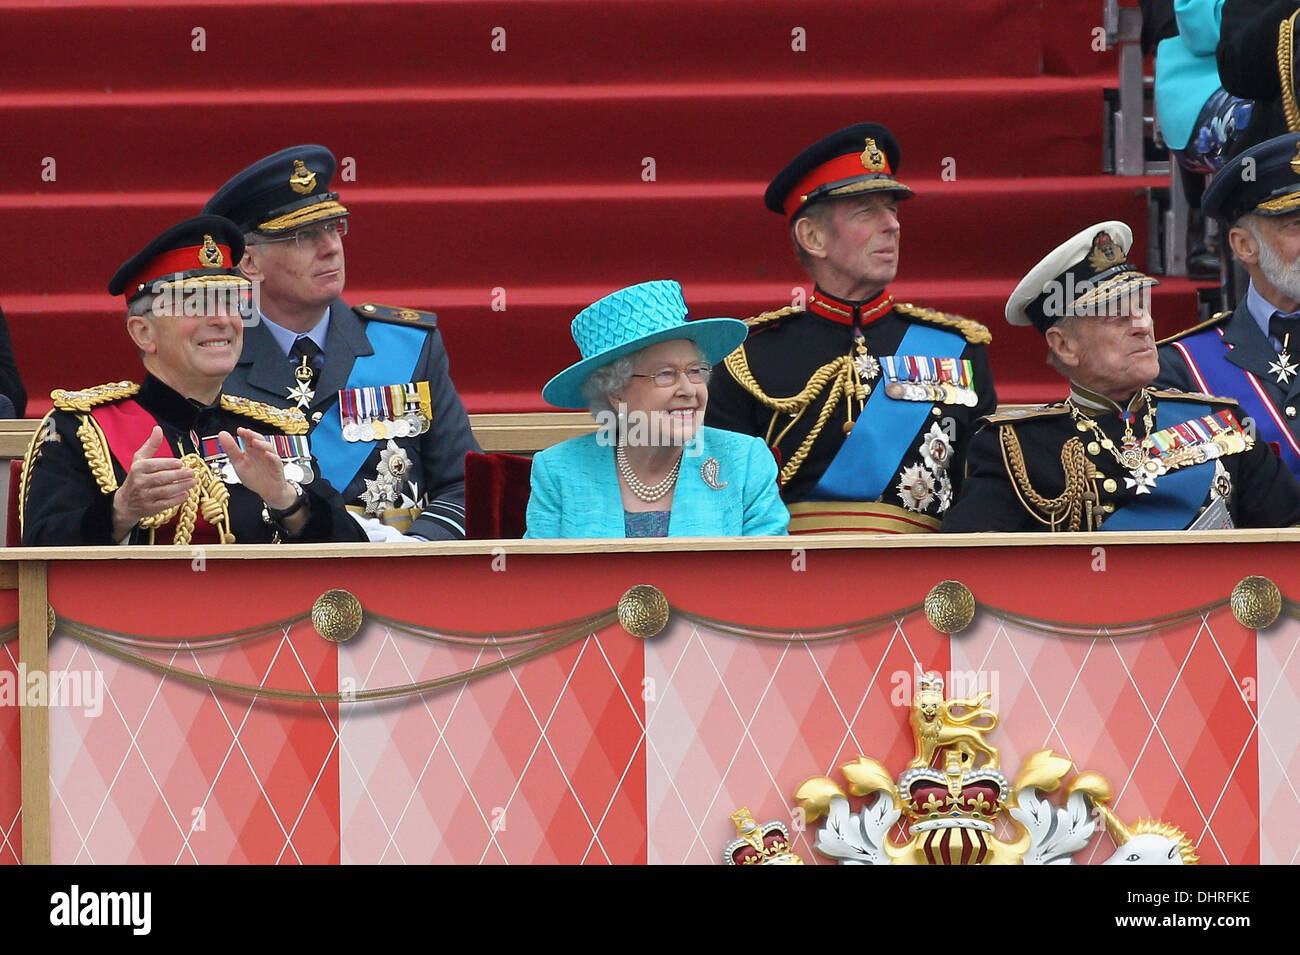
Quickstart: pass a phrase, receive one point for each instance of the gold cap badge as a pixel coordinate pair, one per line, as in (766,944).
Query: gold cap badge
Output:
(1105,253)
(210,256)
(302,181)
(873,160)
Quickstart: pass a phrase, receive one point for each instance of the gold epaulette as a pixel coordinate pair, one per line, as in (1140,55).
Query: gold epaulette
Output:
(88,398)
(971,330)
(1012,415)
(397,316)
(1196,396)
(1216,320)
(288,420)
(758,321)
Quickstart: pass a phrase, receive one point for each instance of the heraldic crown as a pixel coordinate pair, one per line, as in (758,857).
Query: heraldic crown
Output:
(953,798)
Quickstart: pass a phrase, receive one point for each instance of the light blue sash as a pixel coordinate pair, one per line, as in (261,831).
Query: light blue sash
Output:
(397,349)
(885,430)
(1178,495)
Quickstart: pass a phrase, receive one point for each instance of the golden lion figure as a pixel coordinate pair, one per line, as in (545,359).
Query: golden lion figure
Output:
(934,725)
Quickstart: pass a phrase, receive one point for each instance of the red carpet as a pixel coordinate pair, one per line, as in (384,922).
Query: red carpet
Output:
(522,169)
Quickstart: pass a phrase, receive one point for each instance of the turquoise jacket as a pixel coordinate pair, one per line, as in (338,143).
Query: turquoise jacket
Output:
(1187,73)
(575,491)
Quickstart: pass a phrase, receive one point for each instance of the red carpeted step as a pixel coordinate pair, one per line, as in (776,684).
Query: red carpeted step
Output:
(514,236)
(501,359)
(249,45)
(536,134)
(1072,37)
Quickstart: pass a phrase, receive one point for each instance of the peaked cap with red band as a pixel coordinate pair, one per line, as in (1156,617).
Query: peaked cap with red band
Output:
(202,251)
(860,158)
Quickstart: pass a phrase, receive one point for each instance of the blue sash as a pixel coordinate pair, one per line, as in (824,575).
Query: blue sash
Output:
(886,429)
(1222,377)
(1178,495)
(397,349)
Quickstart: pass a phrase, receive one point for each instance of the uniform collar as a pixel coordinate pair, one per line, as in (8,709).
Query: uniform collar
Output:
(172,409)
(849,313)
(1093,403)
(285,338)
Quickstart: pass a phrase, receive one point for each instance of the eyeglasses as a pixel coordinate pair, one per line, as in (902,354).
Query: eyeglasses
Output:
(697,374)
(308,236)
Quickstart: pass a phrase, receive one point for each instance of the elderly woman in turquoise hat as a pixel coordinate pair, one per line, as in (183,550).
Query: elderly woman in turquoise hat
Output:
(651,469)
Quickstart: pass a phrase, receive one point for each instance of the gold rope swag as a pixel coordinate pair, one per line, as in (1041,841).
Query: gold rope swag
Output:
(950,607)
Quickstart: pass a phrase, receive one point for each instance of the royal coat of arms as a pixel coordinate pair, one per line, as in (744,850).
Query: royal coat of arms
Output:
(952,801)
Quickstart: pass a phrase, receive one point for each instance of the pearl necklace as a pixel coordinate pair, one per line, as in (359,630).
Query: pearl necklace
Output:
(645,492)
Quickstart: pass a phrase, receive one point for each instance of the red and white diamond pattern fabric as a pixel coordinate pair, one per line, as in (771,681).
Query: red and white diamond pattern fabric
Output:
(171,772)
(615,749)
(11,824)
(540,763)
(1161,715)
(737,721)
(1277,688)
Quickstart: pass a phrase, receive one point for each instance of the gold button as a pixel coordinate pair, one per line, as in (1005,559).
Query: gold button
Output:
(1094,447)
(316,417)
(1290,411)
(1108,508)
(936,412)
(1110,485)
(1080,426)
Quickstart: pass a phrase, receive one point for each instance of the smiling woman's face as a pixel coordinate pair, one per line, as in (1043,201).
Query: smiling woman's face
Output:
(664,415)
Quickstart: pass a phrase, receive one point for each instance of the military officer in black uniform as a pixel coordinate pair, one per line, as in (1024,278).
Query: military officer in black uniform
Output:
(387,424)
(1252,354)
(869,402)
(1117,454)
(173,460)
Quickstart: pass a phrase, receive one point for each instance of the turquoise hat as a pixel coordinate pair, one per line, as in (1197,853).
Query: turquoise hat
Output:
(631,319)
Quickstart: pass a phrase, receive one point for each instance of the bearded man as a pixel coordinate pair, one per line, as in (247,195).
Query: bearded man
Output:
(1252,354)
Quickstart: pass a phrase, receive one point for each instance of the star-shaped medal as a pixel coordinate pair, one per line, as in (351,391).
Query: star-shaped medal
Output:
(1142,479)
(867,366)
(1282,367)
(302,395)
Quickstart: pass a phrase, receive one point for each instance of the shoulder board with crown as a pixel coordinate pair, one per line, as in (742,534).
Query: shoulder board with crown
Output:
(397,316)
(1016,415)
(770,319)
(968,328)
(1168,394)
(88,398)
(1218,319)
(288,420)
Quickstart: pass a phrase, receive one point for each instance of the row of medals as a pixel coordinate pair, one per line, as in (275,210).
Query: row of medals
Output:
(295,469)
(380,429)
(931,390)
(1135,457)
